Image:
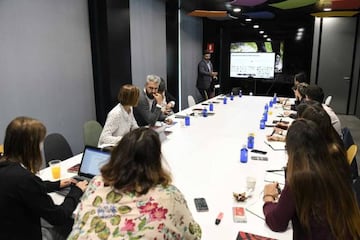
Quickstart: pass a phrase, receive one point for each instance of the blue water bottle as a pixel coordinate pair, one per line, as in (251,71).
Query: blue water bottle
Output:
(265,116)
(204,112)
(211,107)
(240,93)
(250,142)
(225,100)
(271,103)
(244,154)
(266,107)
(187,120)
(231,96)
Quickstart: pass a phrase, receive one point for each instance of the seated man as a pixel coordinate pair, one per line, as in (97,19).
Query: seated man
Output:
(316,93)
(148,110)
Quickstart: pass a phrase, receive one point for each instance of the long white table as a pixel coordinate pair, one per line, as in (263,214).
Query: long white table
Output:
(204,159)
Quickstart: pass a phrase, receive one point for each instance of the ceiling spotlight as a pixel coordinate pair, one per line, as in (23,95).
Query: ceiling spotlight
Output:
(261,31)
(301,29)
(236,10)
(268,39)
(298,38)
(248,19)
(256,26)
(265,36)
(327,9)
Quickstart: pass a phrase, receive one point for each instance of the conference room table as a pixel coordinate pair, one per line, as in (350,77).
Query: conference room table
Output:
(204,160)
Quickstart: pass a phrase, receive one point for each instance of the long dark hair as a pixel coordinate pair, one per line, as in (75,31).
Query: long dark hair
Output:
(22,142)
(320,183)
(135,163)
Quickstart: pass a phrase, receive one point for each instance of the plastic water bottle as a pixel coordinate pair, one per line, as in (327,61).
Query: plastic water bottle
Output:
(240,93)
(274,99)
(225,100)
(187,120)
(204,112)
(266,107)
(211,107)
(250,141)
(231,96)
(244,154)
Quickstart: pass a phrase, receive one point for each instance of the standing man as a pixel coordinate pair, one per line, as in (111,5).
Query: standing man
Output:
(148,110)
(205,77)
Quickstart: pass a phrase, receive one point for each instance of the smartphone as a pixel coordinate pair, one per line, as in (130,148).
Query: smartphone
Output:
(201,205)
(258,151)
(259,158)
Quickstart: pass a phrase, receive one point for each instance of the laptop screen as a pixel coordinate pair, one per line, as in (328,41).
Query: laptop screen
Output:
(92,161)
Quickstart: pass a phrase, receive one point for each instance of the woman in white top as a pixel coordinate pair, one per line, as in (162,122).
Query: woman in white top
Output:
(120,119)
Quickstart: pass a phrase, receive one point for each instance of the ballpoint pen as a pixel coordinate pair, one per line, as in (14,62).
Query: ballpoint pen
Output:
(273,132)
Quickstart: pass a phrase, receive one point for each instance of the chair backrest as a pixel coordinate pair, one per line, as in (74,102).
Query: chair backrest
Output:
(328,100)
(92,131)
(351,153)
(56,147)
(348,141)
(191,101)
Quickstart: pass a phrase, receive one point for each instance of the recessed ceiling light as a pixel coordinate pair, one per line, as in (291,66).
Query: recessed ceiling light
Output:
(299,34)
(268,39)
(265,36)
(248,19)
(301,29)
(327,9)
(256,26)
(261,31)
(298,38)
(237,10)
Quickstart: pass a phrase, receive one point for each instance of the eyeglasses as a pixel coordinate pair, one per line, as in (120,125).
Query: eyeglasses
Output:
(153,88)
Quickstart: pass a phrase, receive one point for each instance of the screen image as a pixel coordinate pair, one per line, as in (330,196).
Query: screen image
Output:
(256,59)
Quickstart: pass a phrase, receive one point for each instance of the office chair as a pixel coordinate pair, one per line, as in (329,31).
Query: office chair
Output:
(191,101)
(351,153)
(92,131)
(348,141)
(328,100)
(56,147)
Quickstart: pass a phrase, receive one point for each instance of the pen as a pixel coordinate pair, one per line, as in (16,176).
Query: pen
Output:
(280,120)
(218,218)
(273,132)
(275,170)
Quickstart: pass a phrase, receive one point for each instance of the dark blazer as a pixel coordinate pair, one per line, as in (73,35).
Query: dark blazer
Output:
(144,115)
(24,199)
(204,75)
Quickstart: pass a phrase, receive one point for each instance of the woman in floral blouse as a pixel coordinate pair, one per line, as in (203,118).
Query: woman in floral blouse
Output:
(133,197)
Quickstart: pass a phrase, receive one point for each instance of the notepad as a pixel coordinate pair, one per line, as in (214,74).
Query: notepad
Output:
(276,146)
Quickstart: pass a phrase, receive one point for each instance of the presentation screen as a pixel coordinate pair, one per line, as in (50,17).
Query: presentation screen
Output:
(256,59)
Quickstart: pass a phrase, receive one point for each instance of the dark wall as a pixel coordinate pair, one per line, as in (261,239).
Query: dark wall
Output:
(110,43)
(297,55)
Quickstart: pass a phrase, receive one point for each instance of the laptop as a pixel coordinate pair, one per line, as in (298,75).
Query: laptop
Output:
(92,160)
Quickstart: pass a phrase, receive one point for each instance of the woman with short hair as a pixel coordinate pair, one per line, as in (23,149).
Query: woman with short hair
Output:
(133,198)
(120,119)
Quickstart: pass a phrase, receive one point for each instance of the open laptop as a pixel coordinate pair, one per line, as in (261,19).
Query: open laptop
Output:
(92,160)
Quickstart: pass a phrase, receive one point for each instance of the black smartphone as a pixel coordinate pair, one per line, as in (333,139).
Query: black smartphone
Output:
(258,151)
(201,205)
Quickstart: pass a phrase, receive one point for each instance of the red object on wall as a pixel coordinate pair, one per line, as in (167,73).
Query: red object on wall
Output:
(210,47)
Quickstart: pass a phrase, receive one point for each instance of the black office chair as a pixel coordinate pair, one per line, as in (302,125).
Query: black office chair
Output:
(56,147)
(348,141)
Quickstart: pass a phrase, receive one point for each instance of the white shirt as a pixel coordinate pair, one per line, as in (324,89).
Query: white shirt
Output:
(335,121)
(118,123)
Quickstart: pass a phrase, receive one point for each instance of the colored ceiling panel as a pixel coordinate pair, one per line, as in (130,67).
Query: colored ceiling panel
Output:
(345,4)
(335,14)
(291,4)
(260,15)
(247,3)
(205,13)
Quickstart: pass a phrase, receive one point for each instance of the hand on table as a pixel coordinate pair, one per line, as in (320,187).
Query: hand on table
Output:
(66,182)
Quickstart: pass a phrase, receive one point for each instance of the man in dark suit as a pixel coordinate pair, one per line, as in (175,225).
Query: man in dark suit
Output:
(205,77)
(148,110)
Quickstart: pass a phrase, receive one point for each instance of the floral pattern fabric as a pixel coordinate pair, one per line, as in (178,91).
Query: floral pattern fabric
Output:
(105,213)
